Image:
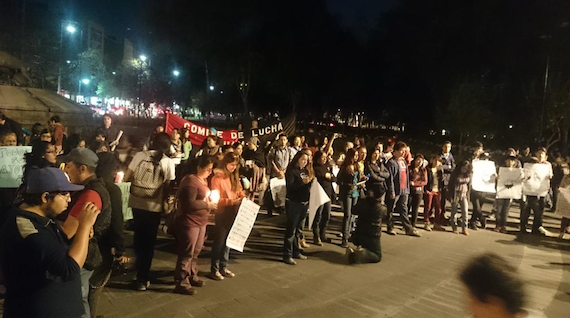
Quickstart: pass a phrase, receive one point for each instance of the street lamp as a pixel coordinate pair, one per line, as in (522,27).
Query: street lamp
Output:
(176,73)
(71,29)
(212,87)
(84,81)
(142,58)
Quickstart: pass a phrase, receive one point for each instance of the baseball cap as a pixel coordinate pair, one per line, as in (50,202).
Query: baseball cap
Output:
(49,180)
(83,156)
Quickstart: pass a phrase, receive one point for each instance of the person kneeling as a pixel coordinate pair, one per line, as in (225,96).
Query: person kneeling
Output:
(366,237)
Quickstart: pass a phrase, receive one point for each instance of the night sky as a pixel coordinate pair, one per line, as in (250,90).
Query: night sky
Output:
(119,16)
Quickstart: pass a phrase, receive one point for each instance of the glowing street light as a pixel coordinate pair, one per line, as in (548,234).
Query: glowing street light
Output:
(71,29)
(176,73)
(212,87)
(143,58)
(85,81)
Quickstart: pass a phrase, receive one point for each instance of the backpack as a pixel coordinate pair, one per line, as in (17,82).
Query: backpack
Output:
(148,178)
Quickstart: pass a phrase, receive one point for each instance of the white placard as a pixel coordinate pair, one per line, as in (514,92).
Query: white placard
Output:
(336,187)
(278,191)
(12,165)
(484,175)
(317,197)
(537,179)
(243,224)
(509,183)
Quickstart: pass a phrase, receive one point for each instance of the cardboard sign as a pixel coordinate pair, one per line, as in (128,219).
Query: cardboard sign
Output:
(243,224)
(126,192)
(537,179)
(484,174)
(278,191)
(317,197)
(510,183)
(12,165)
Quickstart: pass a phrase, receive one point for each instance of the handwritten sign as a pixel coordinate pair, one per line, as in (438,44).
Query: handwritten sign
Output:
(12,165)
(537,179)
(243,224)
(317,198)
(509,183)
(125,191)
(484,173)
(278,191)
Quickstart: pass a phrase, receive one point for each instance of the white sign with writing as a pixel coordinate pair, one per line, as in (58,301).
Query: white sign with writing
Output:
(317,198)
(484,174)
(12,165)
(243,224)
(537,179)
(278,191)
(509,183)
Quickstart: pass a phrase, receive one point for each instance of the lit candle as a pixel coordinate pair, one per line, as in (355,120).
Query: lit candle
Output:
(215,196)
(119,177)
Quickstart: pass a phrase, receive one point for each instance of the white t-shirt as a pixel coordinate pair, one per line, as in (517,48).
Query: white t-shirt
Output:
(151,204)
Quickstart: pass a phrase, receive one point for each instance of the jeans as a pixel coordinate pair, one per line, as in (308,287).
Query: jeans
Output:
(415,206)
(477,201)
(399,205)
(146,228)
(189,243)
(348,202)
(220,252)
(433,200)
(100,277)
(464,209)
(555,193)
(321,220)
(85,276)
(536,204)
(296,213)
(371,251)
(503,206)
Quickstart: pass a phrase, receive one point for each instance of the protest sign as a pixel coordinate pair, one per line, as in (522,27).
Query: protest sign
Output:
(12,165)
(199,133)
(126,192)
(484,174)
(243,224)
(278,191)
(509,183)
(537,179)
(270,132)
(317,197)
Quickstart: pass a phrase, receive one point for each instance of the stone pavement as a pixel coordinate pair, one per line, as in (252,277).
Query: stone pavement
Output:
(416,278)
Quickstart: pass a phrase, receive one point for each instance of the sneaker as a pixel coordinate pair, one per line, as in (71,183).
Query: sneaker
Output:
(301,256)
(465,232)
(438,227)
(427,227)
(215,276)
(227,273)
(391,232)
(455,232)
(197,283)
(303,244)
(542,230)
(473,226)
(561,235)
(317,241)
(415,233)
(184,290)
(344,243)
(143,286)
(503,230)
(497,229)
(357,256)
(289,261)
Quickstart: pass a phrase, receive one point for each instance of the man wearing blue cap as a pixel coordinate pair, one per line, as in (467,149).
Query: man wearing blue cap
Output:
(41,269)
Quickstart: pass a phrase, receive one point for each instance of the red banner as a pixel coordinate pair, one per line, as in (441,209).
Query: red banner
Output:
(199,133)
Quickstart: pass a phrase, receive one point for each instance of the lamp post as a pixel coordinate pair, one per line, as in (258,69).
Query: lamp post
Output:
(84,81)
(71,29)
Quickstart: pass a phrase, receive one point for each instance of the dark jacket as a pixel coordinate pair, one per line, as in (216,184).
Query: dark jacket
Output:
(320,171)
(430,180)
(393,182)
(378,175)
(370,213)
(13,126)
(297,190)
(448,165)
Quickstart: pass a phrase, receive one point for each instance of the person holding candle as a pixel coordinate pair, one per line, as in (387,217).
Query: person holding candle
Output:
(194,206)
(226,182)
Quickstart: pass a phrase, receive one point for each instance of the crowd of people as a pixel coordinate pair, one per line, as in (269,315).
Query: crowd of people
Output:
(72,227)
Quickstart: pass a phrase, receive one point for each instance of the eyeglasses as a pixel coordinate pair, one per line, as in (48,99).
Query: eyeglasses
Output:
(65,194)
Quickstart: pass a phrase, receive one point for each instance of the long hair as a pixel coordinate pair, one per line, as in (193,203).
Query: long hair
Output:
(231,157)
(295,162)
(183,134)
(161,143)
(310,161)
(35,159)
(349,161)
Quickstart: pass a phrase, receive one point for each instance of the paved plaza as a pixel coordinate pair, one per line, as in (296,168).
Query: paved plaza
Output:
(416,278)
